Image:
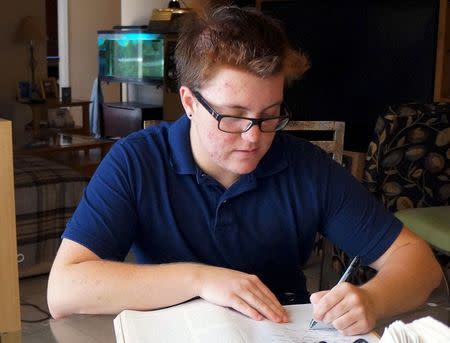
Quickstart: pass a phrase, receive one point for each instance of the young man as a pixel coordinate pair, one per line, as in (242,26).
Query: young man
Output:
(223,206)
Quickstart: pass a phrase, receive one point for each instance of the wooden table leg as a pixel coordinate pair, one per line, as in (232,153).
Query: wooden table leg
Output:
(86,126)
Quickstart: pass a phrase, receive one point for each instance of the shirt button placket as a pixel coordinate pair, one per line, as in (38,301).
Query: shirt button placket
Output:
(224,215)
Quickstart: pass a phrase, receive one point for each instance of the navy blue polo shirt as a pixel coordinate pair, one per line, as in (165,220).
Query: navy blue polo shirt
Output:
(149,195)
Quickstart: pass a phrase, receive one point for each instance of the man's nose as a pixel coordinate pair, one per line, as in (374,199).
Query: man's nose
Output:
(253,134)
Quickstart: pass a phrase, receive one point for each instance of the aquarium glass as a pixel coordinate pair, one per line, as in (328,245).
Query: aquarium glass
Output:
(131,56)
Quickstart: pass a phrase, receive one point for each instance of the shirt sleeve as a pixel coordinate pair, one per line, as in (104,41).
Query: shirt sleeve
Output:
(354,219)
(105,219)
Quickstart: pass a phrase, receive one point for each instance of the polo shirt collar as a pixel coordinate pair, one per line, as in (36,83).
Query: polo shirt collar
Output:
(181,158)
(183,162)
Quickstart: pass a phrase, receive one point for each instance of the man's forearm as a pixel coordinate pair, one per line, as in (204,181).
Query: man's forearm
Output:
(405,280)
(106,287)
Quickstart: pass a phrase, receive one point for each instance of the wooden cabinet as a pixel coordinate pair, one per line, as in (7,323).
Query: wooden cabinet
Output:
(122,118)
(442,74)
(9,280)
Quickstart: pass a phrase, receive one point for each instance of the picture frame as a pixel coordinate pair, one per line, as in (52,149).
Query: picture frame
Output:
(24,91)
(66,94)
(49,88)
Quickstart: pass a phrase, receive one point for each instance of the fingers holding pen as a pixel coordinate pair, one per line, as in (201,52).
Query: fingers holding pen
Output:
(347,307)
(322,302)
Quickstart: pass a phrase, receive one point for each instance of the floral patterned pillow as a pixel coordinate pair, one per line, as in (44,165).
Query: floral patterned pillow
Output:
(407,165)
(408,162)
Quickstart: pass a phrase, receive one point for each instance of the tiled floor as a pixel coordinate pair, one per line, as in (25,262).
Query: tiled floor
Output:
(99,329)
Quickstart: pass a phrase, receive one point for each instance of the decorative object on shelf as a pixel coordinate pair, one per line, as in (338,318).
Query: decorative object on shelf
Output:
(60,118)
(160,15)
(173,4)
(66,94)
(40,113)
(49,88)
(30,32)
(64,139)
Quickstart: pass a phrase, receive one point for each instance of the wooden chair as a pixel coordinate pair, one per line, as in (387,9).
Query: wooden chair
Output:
(334,146)
(328,252)
(152,122)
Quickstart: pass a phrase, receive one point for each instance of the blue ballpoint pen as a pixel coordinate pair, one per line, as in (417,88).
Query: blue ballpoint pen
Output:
(343,278)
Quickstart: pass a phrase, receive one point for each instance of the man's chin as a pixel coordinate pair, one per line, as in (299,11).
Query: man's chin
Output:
(245,168)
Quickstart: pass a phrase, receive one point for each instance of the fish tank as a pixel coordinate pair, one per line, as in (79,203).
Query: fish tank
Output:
(135,56)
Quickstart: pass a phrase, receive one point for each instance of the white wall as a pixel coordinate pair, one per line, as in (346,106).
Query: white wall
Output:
(138,12)
(86,17)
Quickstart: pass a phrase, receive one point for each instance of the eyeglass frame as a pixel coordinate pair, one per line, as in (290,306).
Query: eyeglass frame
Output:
(254,121)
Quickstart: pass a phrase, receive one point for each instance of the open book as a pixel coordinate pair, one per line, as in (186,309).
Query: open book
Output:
(202,322)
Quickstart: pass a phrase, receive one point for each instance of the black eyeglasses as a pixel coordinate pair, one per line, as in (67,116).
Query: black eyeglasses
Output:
(234,124)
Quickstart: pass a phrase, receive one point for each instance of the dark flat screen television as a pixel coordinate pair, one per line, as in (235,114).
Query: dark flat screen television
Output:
(135,56)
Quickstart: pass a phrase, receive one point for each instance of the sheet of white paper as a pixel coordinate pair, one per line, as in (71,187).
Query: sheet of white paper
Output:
(430,330)
(201,322)
(424,330)
(296,331)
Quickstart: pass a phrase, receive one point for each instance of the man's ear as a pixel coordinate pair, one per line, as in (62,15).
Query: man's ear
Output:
(187,100)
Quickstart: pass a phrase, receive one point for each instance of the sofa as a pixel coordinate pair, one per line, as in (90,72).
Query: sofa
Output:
(46,194)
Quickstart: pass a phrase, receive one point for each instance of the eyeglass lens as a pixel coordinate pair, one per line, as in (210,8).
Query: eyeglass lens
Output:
(231,124)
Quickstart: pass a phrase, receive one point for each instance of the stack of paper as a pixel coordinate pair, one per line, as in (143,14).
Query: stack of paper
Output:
(424,330)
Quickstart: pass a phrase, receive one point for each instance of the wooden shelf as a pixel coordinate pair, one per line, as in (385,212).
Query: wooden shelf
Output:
(40,112)
(82,153)
(442,73)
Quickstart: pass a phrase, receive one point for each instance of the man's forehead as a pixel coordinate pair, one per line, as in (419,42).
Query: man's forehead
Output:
(228,74)
(234,88)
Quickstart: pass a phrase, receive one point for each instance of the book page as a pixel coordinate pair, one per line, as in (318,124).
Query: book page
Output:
(198,321)
(296,331)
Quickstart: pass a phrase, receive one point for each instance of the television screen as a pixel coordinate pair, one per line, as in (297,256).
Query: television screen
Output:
(131,56)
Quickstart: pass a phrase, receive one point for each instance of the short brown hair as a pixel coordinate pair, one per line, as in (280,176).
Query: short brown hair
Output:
(235,37)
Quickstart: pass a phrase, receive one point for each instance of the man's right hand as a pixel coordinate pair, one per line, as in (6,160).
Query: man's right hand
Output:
(243,292)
